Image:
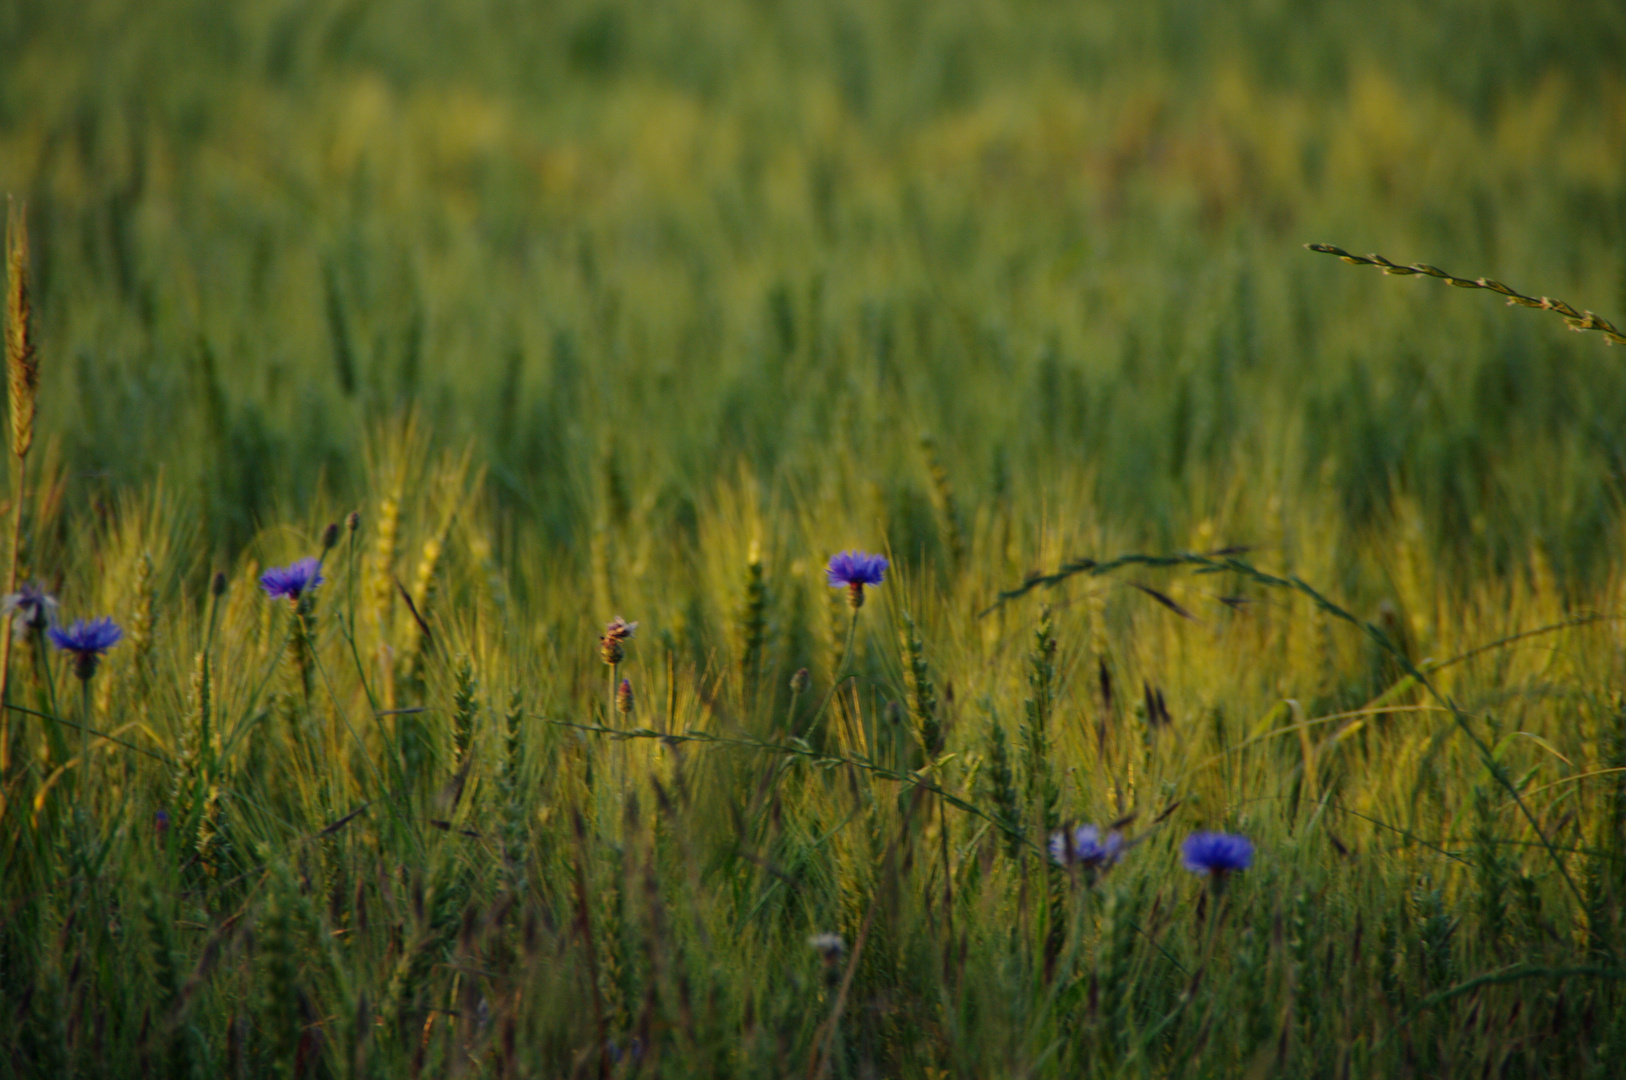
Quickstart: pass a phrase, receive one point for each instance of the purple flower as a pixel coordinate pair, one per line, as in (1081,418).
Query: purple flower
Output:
(854,570)
(31,609)
(87,642)
(1089,849)
(292,580)
(1216,853)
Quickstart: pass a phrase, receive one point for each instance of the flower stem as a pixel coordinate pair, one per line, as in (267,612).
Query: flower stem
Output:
(790,715)
(84,737)
(853,716)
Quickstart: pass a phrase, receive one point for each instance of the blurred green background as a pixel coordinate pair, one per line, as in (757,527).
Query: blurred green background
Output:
(691,238)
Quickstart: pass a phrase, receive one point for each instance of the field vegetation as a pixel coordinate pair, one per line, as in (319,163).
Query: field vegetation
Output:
(519,319)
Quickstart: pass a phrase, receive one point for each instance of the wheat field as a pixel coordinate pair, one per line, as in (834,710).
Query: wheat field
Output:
(736,538)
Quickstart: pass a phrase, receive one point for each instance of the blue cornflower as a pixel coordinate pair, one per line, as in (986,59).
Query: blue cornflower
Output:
(293,579)
(1216,853)
(855,569)
(87,642)
(1089,849)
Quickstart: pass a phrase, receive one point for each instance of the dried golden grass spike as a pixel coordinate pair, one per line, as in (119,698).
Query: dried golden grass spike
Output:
(22,361)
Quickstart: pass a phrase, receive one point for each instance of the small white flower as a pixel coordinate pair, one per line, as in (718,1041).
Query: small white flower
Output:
(830,946)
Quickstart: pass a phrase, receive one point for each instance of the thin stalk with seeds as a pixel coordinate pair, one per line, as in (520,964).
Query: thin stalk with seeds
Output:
(1576,320)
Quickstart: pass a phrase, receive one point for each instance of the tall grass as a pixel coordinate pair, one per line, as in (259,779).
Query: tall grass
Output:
(523,320)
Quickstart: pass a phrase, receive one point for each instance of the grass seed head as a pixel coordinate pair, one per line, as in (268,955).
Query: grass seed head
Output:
(22,360)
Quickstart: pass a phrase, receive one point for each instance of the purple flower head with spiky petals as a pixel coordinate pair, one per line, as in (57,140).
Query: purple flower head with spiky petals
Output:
(1216,853)
(86,642)
(1089,850)
(292,580)
(853,570)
